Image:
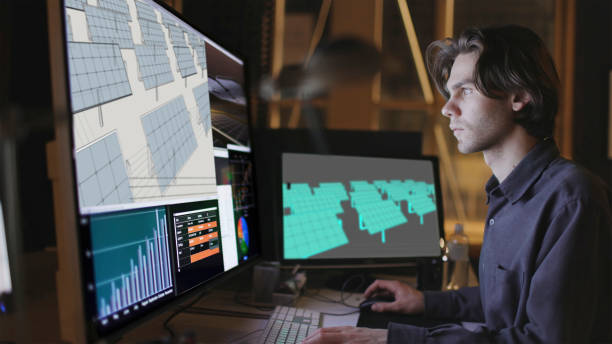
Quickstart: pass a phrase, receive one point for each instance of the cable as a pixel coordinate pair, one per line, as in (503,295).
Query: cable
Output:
(245,336)
(237,300)
(223,312)
(181,309)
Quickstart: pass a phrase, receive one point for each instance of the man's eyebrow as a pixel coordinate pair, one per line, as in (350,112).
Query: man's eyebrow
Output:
(460,83)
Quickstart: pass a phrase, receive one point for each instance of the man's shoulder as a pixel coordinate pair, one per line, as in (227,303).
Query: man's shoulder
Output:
(570,182)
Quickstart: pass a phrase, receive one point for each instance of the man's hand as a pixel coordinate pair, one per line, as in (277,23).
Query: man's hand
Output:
(407,299)
(347,334)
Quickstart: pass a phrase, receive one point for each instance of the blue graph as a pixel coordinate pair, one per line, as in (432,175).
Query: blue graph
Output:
(131,258)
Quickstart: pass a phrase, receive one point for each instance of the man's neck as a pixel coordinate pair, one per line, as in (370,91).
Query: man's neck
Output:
(505,156)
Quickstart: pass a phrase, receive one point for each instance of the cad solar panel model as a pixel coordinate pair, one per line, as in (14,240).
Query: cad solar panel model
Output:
(107,26)
(194,40)
(168,19)
(154,65)
(69,28)
(177,35)
(310,221)
(201,96)
(119,6)
(170,138)
(145,11)
(150,28)
(76,4)
(185,61)
(97,74)
(201,53)
(375,214)
(101,173)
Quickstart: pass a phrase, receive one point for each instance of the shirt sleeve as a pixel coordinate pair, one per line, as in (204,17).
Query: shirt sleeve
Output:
(568,297)
(463,304)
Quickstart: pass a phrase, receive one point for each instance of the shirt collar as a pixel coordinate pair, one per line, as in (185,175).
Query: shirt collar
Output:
(525,173)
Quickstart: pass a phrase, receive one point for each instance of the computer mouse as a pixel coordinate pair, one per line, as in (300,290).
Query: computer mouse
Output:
(366,305)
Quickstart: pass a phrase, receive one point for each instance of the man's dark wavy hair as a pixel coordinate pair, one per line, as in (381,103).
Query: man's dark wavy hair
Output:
(511,59)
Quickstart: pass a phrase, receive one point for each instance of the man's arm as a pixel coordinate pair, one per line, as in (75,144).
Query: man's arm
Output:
(564,292)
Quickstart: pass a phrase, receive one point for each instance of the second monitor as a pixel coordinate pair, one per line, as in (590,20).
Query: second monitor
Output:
(359,208)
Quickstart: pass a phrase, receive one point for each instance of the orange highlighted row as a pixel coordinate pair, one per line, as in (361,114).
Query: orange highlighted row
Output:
(204,254)
(202,238)
(202,227)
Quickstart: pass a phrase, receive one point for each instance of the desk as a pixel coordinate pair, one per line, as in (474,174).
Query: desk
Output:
(207,328)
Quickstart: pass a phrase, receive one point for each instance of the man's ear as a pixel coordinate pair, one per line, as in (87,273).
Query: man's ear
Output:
(519,100)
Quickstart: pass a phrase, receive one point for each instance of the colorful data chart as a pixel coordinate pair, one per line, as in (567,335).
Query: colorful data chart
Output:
(131,258)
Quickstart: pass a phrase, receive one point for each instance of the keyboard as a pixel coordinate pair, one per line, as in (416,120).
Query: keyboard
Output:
(290,325)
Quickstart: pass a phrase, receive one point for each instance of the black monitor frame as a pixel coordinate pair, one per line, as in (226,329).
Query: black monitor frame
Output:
(74,325)
(378,261)
(271,143)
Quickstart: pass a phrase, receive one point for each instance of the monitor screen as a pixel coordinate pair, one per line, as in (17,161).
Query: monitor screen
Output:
(359,208)
(162,157)
(6,287)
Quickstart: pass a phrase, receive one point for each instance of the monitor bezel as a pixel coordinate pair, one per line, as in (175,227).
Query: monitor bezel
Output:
(64,124)
(367,261)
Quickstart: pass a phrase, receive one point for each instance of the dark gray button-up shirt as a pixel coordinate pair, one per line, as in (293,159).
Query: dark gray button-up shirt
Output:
(545,263)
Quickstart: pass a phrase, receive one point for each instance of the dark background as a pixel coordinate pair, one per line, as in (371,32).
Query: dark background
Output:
(246,27)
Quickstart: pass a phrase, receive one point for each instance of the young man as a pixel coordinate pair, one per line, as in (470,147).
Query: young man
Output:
(545,264)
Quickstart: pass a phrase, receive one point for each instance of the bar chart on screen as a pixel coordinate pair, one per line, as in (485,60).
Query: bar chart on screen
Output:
(131,260)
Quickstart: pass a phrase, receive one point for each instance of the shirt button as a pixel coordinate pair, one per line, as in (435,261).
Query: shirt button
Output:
(491,222)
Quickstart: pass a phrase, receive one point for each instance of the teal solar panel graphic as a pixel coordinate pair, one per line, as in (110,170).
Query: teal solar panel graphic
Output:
(76,4)
(108,26)
(177,35)
(312,215)
(376,214)
(97,74)
(101,173)
(153,65)
(170,138)
(119,6)
(185,61)
(420,196)
(201,96)
(311,226)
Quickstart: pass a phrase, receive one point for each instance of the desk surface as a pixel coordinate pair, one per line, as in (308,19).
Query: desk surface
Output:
(215,328)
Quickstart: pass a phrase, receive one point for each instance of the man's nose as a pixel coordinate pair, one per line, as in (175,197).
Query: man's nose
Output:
(450,109)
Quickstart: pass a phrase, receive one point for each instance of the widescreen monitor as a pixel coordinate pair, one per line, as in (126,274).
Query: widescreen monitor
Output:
(342,209)
(6,286)
(162,157)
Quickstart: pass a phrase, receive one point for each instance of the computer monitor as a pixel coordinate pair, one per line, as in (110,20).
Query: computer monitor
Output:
(161,158)
(270,146)
(6,286)
(343,209)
